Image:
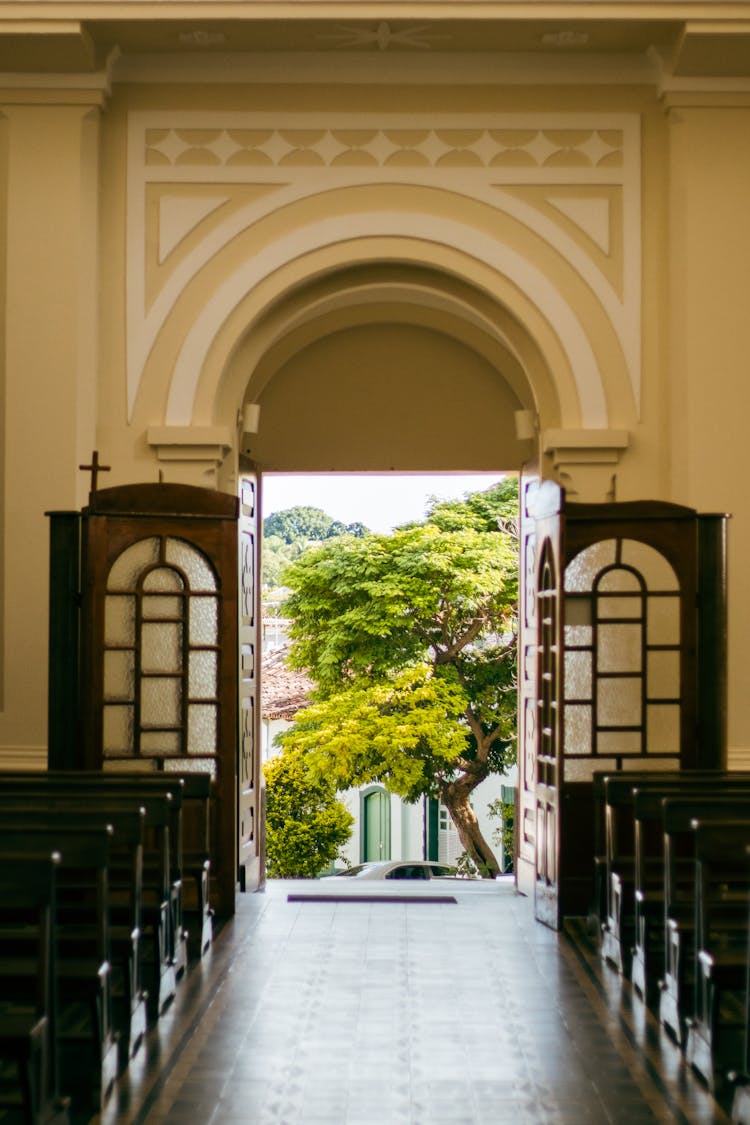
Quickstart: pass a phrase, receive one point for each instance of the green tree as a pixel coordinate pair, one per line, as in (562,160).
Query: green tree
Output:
(300,522)
(305,823)
(410,638)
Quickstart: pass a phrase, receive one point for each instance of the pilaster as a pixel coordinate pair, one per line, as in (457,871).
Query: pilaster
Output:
(49,363)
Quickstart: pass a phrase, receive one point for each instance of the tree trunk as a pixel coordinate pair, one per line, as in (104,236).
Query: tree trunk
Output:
(455,797)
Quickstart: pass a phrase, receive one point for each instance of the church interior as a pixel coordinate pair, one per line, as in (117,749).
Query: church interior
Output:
(244,237)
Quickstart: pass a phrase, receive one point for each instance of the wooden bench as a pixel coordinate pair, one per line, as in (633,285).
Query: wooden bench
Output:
(28,1016)
(189,844)
(715,1040)
(679,810)
(86,1042)
(157,885)
(664,868)
(125,882)
(616,791)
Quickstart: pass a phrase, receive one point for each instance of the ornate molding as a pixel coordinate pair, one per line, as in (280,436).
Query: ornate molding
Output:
(207,444)
(380,148)
(198,181)
(585,460)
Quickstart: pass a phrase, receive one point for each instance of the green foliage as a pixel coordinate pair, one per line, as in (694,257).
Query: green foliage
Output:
(505,834)
(305,524)
(405,731)
(286,535)
(305,823)
(297,523)
(368,606)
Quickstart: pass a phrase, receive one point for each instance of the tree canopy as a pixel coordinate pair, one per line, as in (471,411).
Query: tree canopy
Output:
(305,823)
(307,523)
(410,638)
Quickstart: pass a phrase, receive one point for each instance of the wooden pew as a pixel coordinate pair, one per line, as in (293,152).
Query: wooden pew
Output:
(199,793)
(679,810)
(158,890)
(125,880)
(715,1041)
(86,1042)
(618,928)
(28,1014)
(741,1079)
(664,864)
(190,844)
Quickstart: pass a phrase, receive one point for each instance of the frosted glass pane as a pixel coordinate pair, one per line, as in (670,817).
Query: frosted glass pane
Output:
(619,648)
(618,581)
(578,611)
(583,569)
(204,621)
(663,621)
(119,675)
(663,728)
(160,702)
(619,607)
(663,675)
(583,769)
(191,765)
(578,635)
(117,733)
(577,732)
(201,728)
(129,566)
(202,675)
(163,580)
(119,621)
(160,742)
(200,574)
(657,572)
(161,648)
(156,606)
(578,675)
(619,702)
(619,742)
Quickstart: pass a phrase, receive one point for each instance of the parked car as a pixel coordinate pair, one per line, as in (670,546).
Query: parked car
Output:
(396,869)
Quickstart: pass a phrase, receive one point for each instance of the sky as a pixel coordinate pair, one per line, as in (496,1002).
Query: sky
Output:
(381,502)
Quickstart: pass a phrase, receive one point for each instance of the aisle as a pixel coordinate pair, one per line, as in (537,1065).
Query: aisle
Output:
(385,1013)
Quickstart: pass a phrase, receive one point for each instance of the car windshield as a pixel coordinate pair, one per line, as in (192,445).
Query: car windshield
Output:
(356,870)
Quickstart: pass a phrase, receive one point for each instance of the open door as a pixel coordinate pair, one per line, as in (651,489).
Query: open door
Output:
(548,513)
(525,813)
(250,858)
(623,629)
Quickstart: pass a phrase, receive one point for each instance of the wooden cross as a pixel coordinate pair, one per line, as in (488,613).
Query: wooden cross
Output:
(95,468)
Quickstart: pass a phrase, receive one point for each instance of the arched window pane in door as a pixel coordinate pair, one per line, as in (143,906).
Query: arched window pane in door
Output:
(622,657)
(161,654)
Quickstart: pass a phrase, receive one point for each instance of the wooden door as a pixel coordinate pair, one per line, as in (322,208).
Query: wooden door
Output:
(159,644)
(375,826)
(250,829)
(548,511)
(525,816)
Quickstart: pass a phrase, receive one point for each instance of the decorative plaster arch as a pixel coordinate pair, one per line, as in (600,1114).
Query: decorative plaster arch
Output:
(422,236)
(303,314)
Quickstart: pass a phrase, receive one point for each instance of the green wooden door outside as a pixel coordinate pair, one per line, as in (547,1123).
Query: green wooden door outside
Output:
(376,826)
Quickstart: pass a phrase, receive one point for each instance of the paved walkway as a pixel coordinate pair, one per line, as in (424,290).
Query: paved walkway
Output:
(385,1013)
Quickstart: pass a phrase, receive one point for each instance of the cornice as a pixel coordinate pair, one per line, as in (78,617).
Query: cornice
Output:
(348,68)
(647,10)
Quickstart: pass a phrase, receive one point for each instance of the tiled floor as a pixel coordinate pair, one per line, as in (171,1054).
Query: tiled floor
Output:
(354,1013)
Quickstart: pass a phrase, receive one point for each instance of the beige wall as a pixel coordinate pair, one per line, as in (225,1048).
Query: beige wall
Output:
(708,365)
(391,268)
